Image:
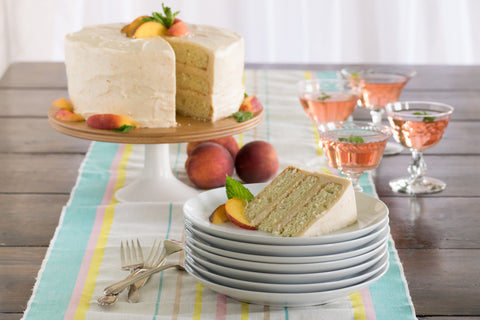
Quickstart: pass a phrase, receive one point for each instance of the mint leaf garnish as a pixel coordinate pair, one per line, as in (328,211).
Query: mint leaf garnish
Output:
(124,128)
(323,97)
(237,190)
(425,119)
(352,139)
(241,116)
(166,18)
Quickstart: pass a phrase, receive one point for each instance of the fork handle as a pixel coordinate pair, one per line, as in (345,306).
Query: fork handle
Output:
(118,287)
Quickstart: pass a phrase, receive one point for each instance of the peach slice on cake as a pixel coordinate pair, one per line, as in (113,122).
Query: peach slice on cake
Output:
(130,28)
(110,121)
(235,211)
(150,29)
(63,103)
(65,115)
(178,29)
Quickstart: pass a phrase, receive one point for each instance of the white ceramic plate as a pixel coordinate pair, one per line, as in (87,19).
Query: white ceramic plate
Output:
(288,278)
(285,299)
(290,251)
(356,256)
(276,267)
(290,288)
(371,212)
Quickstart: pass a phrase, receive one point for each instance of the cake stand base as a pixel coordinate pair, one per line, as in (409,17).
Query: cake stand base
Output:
(156,182)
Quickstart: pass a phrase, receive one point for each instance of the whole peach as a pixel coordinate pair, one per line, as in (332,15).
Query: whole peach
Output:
(257,161)
(208,165)
(228,143)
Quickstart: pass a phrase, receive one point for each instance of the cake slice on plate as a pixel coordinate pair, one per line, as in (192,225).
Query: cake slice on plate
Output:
(298,203)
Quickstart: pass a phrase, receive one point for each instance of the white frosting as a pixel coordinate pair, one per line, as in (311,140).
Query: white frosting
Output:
(110,73)
(343,213)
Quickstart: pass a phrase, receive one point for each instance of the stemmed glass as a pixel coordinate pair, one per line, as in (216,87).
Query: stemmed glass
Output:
(354,147)
(379,86)
(418,125)
(326,100)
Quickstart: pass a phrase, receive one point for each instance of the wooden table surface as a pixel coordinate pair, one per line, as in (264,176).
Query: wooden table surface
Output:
(437,236)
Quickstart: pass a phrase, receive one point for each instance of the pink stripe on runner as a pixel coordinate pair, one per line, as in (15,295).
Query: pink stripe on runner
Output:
(92,242)
(368,304)
(221,307)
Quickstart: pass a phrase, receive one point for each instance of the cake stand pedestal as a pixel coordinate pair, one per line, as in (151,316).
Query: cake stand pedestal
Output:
(156,182)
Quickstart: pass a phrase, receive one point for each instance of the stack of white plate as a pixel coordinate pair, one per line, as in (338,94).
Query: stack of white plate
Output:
(261,268)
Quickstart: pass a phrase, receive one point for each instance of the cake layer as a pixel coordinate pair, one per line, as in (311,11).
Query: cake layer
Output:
(110,73)
(299,203)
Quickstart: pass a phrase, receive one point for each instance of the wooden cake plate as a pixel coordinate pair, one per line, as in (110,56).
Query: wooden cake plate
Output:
(156,182)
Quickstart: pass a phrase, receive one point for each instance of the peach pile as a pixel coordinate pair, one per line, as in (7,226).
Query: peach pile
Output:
(257,161)
(156,25)
(208,165)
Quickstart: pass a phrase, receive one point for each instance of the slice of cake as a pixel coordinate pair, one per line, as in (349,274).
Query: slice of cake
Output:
(298,203)
(150,78)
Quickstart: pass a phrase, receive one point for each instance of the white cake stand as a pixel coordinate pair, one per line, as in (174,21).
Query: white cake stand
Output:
(156,182)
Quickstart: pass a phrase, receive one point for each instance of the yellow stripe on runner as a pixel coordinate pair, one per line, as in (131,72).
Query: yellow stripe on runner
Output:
(197,309)
(357,305)
(244,314)
(93,272)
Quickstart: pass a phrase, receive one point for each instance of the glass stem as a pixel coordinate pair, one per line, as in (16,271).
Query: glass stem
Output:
(376,115)
(354,177)
(418,167)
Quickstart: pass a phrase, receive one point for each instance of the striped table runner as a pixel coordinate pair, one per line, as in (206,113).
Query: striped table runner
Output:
(83,256)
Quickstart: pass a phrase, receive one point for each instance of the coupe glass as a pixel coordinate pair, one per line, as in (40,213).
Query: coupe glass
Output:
(354,147)
(418,125)
(379,86)
(326,100)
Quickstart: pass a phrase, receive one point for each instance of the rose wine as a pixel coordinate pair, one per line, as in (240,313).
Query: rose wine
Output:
(343,152)
(379,89)
(418,129)
(326,107)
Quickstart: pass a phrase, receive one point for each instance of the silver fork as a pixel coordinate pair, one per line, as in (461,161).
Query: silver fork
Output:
(132,260)
(154,260)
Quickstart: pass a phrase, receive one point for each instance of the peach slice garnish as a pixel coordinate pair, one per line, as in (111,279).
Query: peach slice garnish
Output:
(63,103)
(219,215)
(65,115)
(109,121)
(150,29)
(235,211)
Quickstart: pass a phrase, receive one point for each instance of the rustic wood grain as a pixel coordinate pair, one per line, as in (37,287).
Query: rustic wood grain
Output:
(34,135)
(18,271)
(29,219)
(460,173)
(443,282)
(41,173)
(28,102)
(434,222)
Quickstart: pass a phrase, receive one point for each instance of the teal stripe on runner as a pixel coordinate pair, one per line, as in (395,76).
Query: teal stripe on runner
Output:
(157,305)
(327,75)
(383,295)
(56,283)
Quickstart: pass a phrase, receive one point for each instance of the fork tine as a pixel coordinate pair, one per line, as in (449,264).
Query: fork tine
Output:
(140,251)
(133,252)
(122,254)
(154,253)
(129,254)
